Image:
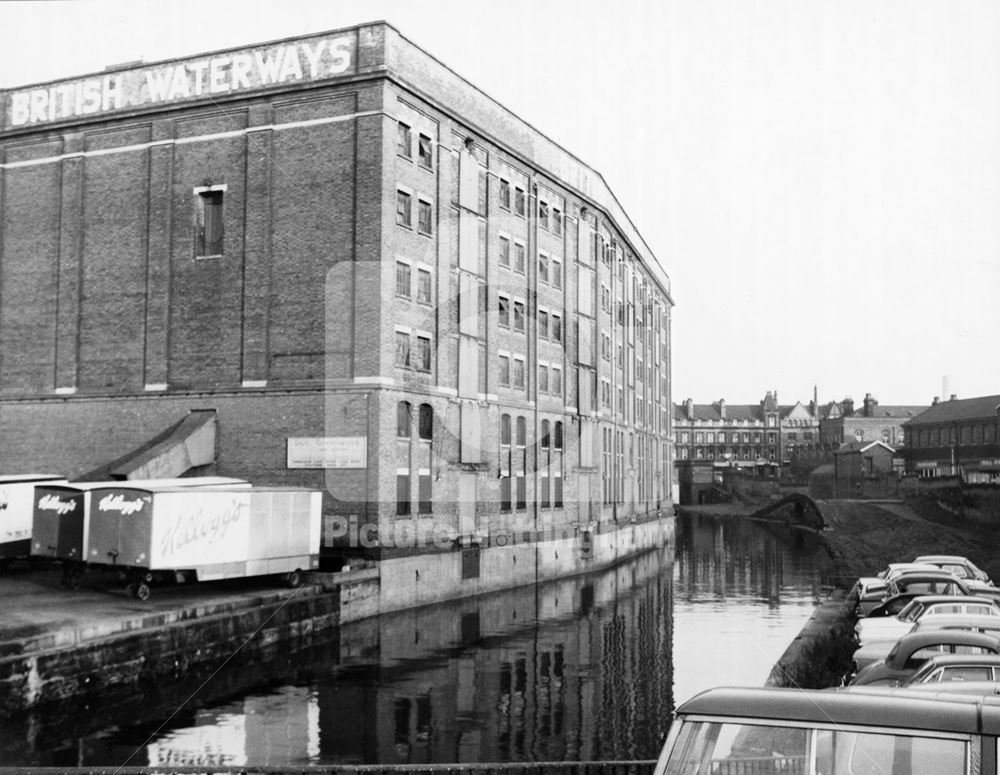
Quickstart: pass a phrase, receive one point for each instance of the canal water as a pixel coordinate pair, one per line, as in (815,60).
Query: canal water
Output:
(582,669)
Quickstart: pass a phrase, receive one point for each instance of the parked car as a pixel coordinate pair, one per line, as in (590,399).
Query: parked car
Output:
(926,582)
(960,566)
(880,628)
(911,651)
(947,668)
(845,732)
(867,593)
(990,625)
(895,568)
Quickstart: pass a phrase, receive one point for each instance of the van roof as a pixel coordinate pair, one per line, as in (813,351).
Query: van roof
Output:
(861,706)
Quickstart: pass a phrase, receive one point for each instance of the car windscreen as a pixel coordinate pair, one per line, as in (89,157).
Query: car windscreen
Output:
(729,748)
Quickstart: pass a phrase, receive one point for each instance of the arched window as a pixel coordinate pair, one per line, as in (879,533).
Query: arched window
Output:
(522,432)
(505,430)
(545,434)
(557,435)
(403,413)
(426,427)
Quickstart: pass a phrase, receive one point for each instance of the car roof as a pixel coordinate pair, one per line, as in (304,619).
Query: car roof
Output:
(933,558)
(961,659)
(915,641)
(895,707)
(928,599)
(940,621)
(922,574)
(980,688)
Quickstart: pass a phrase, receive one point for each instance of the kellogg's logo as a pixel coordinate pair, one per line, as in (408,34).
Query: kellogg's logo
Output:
(200,528)
(56,504)
(120,504)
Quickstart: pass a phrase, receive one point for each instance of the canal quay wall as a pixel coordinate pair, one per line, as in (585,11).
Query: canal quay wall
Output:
(74,655)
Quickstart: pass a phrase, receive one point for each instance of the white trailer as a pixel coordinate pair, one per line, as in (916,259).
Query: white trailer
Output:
(16,507)
(205,533)
(60,523)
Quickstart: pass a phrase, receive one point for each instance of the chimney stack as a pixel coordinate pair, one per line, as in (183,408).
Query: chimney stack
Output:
(935,401)
(722,408)
(953,397)
(689,406)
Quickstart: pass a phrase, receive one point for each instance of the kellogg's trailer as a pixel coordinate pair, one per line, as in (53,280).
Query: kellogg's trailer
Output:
(60,528)
(16,508)
(204,534)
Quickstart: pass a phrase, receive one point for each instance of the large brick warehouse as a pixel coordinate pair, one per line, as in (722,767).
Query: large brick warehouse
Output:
(375,278)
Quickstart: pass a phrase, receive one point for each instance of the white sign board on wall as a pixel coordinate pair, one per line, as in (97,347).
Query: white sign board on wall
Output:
(328,452)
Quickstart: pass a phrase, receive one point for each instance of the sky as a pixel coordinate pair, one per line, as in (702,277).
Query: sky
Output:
(819,179)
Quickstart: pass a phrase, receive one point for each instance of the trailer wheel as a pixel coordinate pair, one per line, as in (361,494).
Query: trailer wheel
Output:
(294,578)
(142,590)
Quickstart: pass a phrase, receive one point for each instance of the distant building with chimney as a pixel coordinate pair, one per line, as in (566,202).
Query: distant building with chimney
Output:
(958,437)
(840,422)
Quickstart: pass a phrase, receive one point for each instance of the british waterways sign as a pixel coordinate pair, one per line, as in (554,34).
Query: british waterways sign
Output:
(170,82)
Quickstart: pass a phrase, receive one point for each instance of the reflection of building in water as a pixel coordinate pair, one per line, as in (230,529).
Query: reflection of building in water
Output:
(280,727)
(593,682)
(733,557)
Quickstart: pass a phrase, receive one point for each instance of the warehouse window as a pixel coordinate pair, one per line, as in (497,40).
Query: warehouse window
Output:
(403,216)
(426,423)
(423,353)
(402,491)
(519,373)
(424,288)
(209,230)
(504,194)
(504,375)
(402,348)
(403,279)
(519,316)
(504,252)
(426,152)
(543,215)
(403,419)
(519,204)
(424,501)
(519,257)
(424,223)
(403,144)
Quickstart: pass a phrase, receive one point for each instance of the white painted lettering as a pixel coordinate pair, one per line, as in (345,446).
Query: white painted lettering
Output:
(179,86)
(290,65)
(20,108)
(39,105)
(120,504)
(340,50)
(217,75)
(157,83)
(313,53)
(67,100)
(241,71)
(267,68)
(112,99)
(199,69)
(56,504)
(91,96)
